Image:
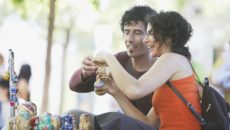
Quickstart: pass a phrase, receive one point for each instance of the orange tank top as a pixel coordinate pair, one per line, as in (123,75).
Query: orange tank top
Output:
(172,112)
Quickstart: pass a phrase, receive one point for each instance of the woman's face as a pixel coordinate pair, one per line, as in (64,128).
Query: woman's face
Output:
(152,44)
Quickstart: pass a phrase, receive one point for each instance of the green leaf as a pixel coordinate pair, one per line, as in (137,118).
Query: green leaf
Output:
(95,4)
(17,2)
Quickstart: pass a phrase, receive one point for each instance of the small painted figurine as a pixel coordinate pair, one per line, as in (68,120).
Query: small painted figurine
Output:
(85,122)
(103,76)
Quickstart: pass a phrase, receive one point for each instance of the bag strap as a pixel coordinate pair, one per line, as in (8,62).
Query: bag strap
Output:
(188,104)
(197,78)
(206,83)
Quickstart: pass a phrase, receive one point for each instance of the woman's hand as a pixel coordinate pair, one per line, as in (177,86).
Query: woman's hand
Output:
(113,88)
(100,57)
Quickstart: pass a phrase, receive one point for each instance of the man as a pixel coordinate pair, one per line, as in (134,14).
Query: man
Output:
(136,60)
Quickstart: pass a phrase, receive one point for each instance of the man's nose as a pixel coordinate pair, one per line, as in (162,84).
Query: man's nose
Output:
(130,37)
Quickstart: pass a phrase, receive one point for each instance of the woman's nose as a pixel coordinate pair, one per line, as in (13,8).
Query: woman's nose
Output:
(145,39)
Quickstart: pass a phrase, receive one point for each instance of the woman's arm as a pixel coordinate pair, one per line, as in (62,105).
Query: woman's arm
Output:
(129,109)
(162,70)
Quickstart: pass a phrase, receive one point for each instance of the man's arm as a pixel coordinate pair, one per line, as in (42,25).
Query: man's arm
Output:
(83,79)
(78,84)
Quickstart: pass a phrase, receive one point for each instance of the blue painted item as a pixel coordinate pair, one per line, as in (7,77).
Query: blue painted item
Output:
(67,122)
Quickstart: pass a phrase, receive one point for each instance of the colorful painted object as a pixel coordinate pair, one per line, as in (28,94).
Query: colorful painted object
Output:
(45,122)
(10,125)
(13,96)
(25,112)
(103,71)
(56,122)
(12,83)
(34,123)
(99,84)
(68,122)
(28,106)
(23,120)
(103,76)
(85,122)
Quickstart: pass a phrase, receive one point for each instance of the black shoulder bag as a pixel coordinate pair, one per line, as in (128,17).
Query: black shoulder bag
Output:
(215,110)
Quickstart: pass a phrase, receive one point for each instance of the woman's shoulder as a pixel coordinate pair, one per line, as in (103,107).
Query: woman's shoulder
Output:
(177,64)
(172,54)
(173,58)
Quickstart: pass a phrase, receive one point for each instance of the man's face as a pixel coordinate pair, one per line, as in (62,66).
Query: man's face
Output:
(134,34)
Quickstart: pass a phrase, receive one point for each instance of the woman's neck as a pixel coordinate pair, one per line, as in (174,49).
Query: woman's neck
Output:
(165,49)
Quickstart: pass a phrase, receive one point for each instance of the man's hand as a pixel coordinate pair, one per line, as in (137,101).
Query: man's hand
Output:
(88,67)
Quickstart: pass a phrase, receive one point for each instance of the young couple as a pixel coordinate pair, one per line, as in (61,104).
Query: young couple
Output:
(136,74)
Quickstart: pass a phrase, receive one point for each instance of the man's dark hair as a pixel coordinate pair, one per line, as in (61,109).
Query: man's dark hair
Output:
(135,14)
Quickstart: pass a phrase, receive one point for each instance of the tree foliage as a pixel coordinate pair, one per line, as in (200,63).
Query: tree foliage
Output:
(95,4)
(31,9)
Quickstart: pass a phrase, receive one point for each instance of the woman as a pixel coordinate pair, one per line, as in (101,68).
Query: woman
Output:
(23,82)
(168,32)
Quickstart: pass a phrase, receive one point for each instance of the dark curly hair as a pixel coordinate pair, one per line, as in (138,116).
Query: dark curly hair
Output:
(135,14)
(172,26)
(25,72)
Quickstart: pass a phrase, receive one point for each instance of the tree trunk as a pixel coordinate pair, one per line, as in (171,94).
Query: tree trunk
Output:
(68,30)
(48,57)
